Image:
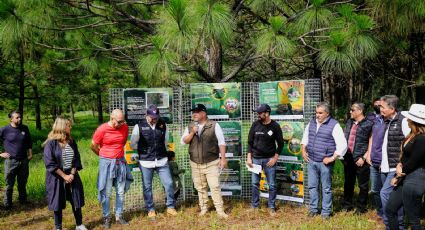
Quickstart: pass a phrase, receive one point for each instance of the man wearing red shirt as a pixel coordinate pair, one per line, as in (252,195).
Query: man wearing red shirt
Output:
(108,143)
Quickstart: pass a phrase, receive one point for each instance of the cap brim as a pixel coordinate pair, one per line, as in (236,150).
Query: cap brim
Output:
(154,116)
(406,114)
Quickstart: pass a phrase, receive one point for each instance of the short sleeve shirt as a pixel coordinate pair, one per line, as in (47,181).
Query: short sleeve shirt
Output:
(111,140)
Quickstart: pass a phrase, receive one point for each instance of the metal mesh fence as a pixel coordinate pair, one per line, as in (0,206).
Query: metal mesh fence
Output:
(181,105)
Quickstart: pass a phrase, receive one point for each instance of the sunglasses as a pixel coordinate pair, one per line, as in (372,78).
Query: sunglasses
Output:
(120,122)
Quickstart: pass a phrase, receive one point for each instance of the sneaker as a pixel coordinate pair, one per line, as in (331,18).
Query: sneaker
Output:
(272,212)
(171,211)
(81,227)
(222,215)
(121,220)
(203,212)
(152,214)
(107,222)
(312,214)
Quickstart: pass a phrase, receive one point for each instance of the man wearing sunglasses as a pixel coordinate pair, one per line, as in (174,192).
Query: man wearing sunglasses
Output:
(108,143)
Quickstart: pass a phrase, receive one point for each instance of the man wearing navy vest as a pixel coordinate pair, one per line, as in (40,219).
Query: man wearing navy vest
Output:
(387,136)
(357,132)
(323,142)
(149,137)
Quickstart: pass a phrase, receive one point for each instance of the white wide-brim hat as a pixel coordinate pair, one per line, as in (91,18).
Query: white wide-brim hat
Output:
(416,113)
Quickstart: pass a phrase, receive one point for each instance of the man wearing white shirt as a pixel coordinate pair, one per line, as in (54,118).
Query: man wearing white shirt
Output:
(149,137)
(385,150)
(207,151)
(323,142)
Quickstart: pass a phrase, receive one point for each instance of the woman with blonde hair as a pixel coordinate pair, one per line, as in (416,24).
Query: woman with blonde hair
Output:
(409,180)
(62,161)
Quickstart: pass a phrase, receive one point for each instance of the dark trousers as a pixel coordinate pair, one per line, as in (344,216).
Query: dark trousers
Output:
(351,172)
(15,169)
(409,194)
(77,212)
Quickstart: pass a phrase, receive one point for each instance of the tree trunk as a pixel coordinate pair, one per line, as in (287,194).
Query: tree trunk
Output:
(325,88)
(136,74)
(37,107)
(21,80)
(215,62)
(99,101)
(71,110)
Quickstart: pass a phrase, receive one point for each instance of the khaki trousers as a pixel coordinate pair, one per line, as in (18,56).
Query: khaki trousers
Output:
(205,175)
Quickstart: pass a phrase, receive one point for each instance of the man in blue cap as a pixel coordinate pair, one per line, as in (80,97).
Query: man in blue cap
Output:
(263,136)
(149,137)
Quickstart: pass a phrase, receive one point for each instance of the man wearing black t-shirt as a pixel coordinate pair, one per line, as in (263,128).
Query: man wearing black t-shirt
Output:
(262,150)
(17,152)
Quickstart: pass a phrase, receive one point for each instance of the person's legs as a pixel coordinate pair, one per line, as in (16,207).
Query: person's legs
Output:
(167,182)
(349,181)
(313,186)
(22,177)
(386,190)
(393,205)
(213,178)
(363,175)
(76,211)
(255,184)
(326,179)
(375,189)
(10,172)
(58,219)
(147,176)
(119,202)
(271,181)
(413,190)
(201,185)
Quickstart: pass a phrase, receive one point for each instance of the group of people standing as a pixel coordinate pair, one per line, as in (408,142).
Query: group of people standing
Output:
(386,146)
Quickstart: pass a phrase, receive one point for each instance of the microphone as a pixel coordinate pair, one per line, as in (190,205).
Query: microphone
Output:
(197,125)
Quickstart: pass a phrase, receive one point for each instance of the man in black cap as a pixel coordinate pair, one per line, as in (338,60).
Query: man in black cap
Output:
(206,146)
(263,136)
(149,137)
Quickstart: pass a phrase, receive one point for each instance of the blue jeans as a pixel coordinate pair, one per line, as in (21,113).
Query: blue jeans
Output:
(166,180)
(386,190)
(318,172)
(375,189)
(109,176)
(271,182)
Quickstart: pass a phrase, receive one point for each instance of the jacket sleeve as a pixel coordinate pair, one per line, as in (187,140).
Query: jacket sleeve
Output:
(416,158)
(50,160)
(251,138)
(77,158)
(279,139)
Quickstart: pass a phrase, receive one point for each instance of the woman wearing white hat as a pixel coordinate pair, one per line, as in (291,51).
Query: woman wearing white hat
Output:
(409,180)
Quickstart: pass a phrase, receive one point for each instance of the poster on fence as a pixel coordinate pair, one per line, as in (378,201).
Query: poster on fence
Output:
(286,98)
(289,182)
(292,134)
(136,101)
(232,131)
(230,179)
(223,100)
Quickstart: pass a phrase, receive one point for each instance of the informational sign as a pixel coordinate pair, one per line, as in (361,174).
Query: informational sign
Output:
(230,178)
(136,101)
(289,182)
(286,98)
(292,134)
(232,131)
(222,100)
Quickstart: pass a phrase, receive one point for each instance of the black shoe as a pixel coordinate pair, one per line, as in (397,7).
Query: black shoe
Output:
(8,207)
(359,212)
(107,222)
(121,221)
(312,214)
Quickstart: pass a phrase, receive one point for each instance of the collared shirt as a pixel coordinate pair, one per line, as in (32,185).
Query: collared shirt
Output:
(337,134)
(385,167)
(134,140)
(218,134)
(352,136)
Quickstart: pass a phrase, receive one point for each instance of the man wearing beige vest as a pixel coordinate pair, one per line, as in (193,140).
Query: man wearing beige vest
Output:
(207,151)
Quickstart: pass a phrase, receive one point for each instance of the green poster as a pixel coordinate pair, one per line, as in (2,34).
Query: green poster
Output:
(223,100)
(230,178)
(289,182)
(136,101)
(286,98)
(232,135)
(292,134)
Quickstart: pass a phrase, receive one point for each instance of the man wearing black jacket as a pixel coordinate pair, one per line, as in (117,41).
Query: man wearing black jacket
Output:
(262,139)
(357,132)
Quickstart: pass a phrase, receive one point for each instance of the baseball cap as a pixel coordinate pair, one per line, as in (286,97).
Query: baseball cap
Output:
(262,108)
(152,112)
(199,107)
